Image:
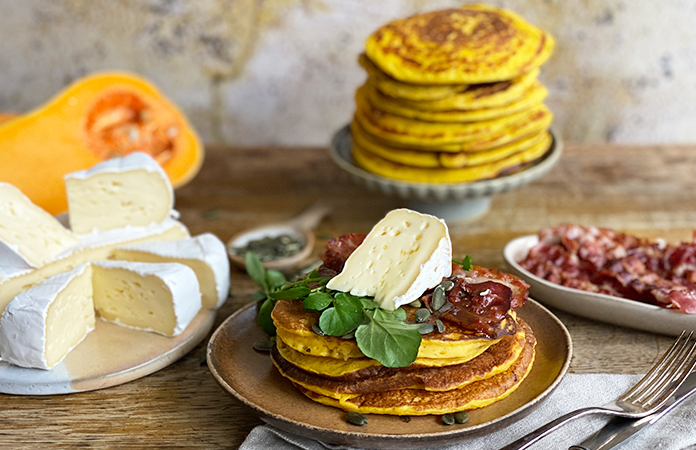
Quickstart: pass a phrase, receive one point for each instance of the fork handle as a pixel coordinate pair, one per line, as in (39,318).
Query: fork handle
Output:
(534,436)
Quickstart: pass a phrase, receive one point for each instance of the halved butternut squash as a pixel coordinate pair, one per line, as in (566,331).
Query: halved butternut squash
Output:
(98,117)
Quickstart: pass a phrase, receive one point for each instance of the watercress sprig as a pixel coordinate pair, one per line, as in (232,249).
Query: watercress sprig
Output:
(381,335)
(465,263)
(269,281)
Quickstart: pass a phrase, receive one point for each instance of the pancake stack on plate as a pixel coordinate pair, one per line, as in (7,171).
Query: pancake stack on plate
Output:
(455,370)
(452,96)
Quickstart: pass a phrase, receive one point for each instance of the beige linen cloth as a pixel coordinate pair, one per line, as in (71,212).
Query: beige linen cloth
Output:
(675,431)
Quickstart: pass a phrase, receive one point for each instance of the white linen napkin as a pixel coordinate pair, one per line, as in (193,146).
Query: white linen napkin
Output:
(675,431)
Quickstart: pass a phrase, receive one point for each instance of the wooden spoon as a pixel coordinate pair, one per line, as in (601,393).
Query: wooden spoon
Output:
(299,228)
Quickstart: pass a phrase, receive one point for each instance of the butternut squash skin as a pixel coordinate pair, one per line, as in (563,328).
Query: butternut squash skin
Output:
(6,117)
(98,117)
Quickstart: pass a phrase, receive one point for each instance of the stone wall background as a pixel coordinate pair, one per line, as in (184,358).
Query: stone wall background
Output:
(283,72)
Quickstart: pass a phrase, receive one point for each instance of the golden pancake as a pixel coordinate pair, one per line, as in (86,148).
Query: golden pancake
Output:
(534,95)
(452,137)
(416,402)
(420,158)
(380,166)
(479,96)
(399,89)
(294,327)
(470,45)
(496,359)
(338,368)
(464,159)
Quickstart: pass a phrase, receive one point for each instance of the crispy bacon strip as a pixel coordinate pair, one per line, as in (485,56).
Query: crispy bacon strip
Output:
(338,250)
(608,262)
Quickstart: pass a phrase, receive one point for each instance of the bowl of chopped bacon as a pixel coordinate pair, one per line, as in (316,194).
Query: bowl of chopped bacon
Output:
(613,277)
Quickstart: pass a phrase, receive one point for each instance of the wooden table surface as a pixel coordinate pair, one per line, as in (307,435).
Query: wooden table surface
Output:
(644,190)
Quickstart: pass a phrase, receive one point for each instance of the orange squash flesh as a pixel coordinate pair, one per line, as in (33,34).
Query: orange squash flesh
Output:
(98,117)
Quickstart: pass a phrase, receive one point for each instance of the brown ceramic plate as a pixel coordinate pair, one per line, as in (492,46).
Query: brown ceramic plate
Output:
(250,376)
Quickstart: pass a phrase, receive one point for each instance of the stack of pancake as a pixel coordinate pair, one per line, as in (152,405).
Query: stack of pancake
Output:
(452,96)
(455,370)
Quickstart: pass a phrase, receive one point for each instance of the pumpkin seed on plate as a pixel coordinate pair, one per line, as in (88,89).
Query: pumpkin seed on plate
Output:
(426,328)
(440,326)
(447,285)
(439,298)
(448,419)
(356,418)
(461,417)
(422,315)
(263,346)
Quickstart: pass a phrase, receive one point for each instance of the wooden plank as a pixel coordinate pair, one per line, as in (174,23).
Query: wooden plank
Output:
(646,190)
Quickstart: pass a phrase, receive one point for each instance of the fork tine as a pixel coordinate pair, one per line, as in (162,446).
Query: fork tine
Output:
(666,372)
(657,369)
(678,376)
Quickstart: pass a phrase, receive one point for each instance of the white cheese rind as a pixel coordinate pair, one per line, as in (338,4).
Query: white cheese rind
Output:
(125,294)
(24,324)
(405,254)
(205,254)
(29,236)
(133,190)
(92,247)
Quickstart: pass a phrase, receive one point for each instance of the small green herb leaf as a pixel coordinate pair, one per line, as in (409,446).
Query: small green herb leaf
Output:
(264,317)
(343,317)
(399,314)
(274,279)
(368,304)
(258,295)
(317,301)
(388,339)
(294,293)
(256,271)
(465,263)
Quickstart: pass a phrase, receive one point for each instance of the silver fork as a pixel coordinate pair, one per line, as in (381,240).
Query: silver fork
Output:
(646,397)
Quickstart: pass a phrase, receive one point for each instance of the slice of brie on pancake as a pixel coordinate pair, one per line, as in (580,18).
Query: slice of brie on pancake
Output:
(404,255)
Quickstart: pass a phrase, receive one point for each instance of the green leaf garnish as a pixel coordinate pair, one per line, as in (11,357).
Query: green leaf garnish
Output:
(294,293)
(274,279)
(368,304)
(256,271)
(343,317)
(388,339)
(317,301)
(465,263)
(264,317)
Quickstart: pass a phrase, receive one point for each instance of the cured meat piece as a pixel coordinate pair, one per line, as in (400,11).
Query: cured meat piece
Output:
(338,250)
(605,261)
(480,300)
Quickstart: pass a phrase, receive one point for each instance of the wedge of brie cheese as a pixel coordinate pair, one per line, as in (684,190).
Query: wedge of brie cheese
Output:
(92,247)
(163,298)
(133,190)
(29,236)
(205,254)
(41,325)
(405,254)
